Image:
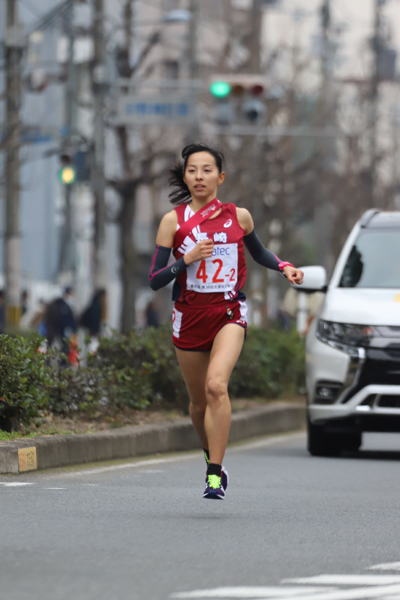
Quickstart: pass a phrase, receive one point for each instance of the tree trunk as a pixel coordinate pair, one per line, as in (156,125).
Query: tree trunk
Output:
(128,258)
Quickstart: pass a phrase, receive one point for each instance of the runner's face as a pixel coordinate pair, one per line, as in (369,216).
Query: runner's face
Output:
(202,176)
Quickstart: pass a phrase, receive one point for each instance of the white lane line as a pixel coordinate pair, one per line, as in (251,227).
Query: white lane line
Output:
(362,593)
(54,488)
(268,593)
(394,566)
(347,580)
(16,484)
(252,592)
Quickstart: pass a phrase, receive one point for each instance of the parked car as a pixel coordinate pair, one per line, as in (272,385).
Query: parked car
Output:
(353,346)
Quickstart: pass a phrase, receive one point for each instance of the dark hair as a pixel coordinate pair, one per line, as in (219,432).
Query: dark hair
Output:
(181,194)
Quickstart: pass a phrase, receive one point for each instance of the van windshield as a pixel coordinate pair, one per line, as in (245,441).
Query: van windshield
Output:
(374,261)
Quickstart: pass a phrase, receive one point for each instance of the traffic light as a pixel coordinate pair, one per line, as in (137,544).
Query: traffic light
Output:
(238,98)
(220,89)
(67,172)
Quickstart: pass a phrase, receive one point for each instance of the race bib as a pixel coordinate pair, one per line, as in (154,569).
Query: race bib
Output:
(215,274)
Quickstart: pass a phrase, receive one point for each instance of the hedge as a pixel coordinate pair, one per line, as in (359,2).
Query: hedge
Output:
(139,370)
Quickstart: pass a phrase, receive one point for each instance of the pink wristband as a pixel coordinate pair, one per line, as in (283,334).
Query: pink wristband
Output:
(282,265)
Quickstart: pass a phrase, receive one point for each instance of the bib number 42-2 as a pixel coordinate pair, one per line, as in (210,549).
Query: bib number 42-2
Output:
(216,278)
(215,274)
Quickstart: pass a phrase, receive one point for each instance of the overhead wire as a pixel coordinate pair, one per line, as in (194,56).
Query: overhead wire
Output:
(28,5)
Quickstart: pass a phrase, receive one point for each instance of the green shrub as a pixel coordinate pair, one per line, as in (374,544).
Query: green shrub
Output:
(24,379)
(73,389)
(144,367)
(134,371)
(272,363)
(95,385)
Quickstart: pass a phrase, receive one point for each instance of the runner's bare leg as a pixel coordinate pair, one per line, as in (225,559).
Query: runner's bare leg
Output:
(224,354)
(194,366)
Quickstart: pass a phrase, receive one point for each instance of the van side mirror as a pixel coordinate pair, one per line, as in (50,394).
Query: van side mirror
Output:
(314,280)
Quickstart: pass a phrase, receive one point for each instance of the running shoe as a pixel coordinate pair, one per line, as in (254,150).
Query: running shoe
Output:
(224,473)
(214,489)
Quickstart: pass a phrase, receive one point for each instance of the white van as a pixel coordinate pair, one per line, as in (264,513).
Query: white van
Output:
(353,346)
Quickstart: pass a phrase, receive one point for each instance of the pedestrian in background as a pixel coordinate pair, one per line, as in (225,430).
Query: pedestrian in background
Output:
(38,321)
(152,318)
(60,320)
(92,317)
(24,301)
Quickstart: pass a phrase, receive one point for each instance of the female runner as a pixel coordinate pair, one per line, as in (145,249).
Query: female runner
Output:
(207,238)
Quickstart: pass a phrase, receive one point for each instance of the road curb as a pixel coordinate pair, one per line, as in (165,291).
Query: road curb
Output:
(49,452)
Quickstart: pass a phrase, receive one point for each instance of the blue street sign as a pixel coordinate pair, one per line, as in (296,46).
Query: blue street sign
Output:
(165,109)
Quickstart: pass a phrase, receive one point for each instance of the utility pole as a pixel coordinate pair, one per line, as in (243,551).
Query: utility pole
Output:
(14,43)
(257,274)
(322,215)
(98,178)
(66,263)
(374,99)
(193,65)
(255,42)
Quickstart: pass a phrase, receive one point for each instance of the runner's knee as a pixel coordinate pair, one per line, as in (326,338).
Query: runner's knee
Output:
(216,389)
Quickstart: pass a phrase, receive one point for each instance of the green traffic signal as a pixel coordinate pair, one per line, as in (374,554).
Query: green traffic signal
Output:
(220,89)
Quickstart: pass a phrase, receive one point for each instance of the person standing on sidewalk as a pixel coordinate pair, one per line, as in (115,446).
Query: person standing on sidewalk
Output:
(209,315)
(60,321)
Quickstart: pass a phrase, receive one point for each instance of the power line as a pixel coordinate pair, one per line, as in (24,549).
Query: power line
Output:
(29,7)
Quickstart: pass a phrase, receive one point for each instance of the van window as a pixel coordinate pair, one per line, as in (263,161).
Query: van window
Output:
(374,261)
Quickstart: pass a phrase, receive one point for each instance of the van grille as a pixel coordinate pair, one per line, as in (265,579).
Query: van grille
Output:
(387,401)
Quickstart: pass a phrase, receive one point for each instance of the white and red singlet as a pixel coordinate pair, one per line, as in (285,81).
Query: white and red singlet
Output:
(207,294)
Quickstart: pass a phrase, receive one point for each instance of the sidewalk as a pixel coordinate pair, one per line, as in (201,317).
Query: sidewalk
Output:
(48,452)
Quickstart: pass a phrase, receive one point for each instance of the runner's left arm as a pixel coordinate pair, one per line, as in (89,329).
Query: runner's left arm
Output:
(262,255)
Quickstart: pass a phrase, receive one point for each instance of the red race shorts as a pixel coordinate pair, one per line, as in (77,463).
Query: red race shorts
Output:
(194,328)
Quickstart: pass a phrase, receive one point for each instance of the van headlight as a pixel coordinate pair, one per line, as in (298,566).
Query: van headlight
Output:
(342,335)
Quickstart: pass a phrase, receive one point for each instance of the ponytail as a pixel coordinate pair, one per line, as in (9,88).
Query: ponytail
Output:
(181,194)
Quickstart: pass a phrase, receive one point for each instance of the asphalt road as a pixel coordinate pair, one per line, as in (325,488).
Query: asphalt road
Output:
(143,531)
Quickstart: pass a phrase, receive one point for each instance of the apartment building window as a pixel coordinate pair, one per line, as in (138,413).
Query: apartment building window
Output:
(171,69)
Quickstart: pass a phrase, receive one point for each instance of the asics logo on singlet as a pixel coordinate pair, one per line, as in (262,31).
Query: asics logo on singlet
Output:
(228,223)
(220,237)
(207,210)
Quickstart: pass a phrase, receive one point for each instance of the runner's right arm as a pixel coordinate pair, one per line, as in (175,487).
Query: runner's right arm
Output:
(161,274)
